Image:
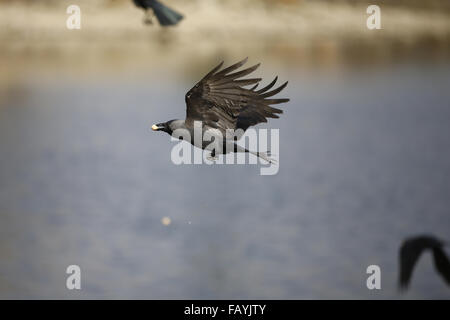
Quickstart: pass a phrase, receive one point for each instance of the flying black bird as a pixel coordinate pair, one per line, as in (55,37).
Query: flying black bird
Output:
(165,15)
(221,103)
(410,252)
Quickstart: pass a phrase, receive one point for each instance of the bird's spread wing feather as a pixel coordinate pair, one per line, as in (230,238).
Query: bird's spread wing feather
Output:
(409,254)
(412,249)
(220,101)
(442,264)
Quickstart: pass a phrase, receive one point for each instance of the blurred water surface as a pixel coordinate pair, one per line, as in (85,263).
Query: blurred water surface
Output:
(364,163)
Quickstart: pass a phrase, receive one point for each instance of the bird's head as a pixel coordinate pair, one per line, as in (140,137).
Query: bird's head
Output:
(164,126)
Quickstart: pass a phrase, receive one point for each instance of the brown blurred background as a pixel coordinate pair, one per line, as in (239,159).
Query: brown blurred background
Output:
(33,34)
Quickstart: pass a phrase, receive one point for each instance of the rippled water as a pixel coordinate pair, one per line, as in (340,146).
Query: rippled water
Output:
(364,163)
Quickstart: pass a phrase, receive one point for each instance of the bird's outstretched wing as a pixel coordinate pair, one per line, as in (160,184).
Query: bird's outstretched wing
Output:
(410,252)
(220,100)
(442,264)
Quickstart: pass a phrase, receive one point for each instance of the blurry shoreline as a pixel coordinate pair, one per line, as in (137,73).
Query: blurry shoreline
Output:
(34,37)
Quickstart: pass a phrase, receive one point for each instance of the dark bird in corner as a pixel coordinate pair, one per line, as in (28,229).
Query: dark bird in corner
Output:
(165,15)
(410,252)
(221,103)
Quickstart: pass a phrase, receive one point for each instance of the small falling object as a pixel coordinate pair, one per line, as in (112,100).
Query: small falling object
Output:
(166,221)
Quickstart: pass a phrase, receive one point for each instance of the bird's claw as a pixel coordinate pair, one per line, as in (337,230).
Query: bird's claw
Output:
(212,158)
(148,21)
(148,17)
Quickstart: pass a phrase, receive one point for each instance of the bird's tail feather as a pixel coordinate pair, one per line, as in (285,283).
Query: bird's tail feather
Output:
(165,15)
(265,155)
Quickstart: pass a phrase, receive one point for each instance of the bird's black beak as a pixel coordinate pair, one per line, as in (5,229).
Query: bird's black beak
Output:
(158,127)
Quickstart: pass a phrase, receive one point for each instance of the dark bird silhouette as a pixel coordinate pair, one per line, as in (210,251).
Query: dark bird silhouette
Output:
(410,252)
(221,103)
(165,15)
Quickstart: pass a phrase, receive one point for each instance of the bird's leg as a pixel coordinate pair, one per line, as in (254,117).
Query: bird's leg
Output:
(148,16)
(212,156)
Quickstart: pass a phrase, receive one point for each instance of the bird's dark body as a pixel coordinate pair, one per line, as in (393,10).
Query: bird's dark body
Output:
(222,105)
(165,15)
(411,251)
(144,4)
